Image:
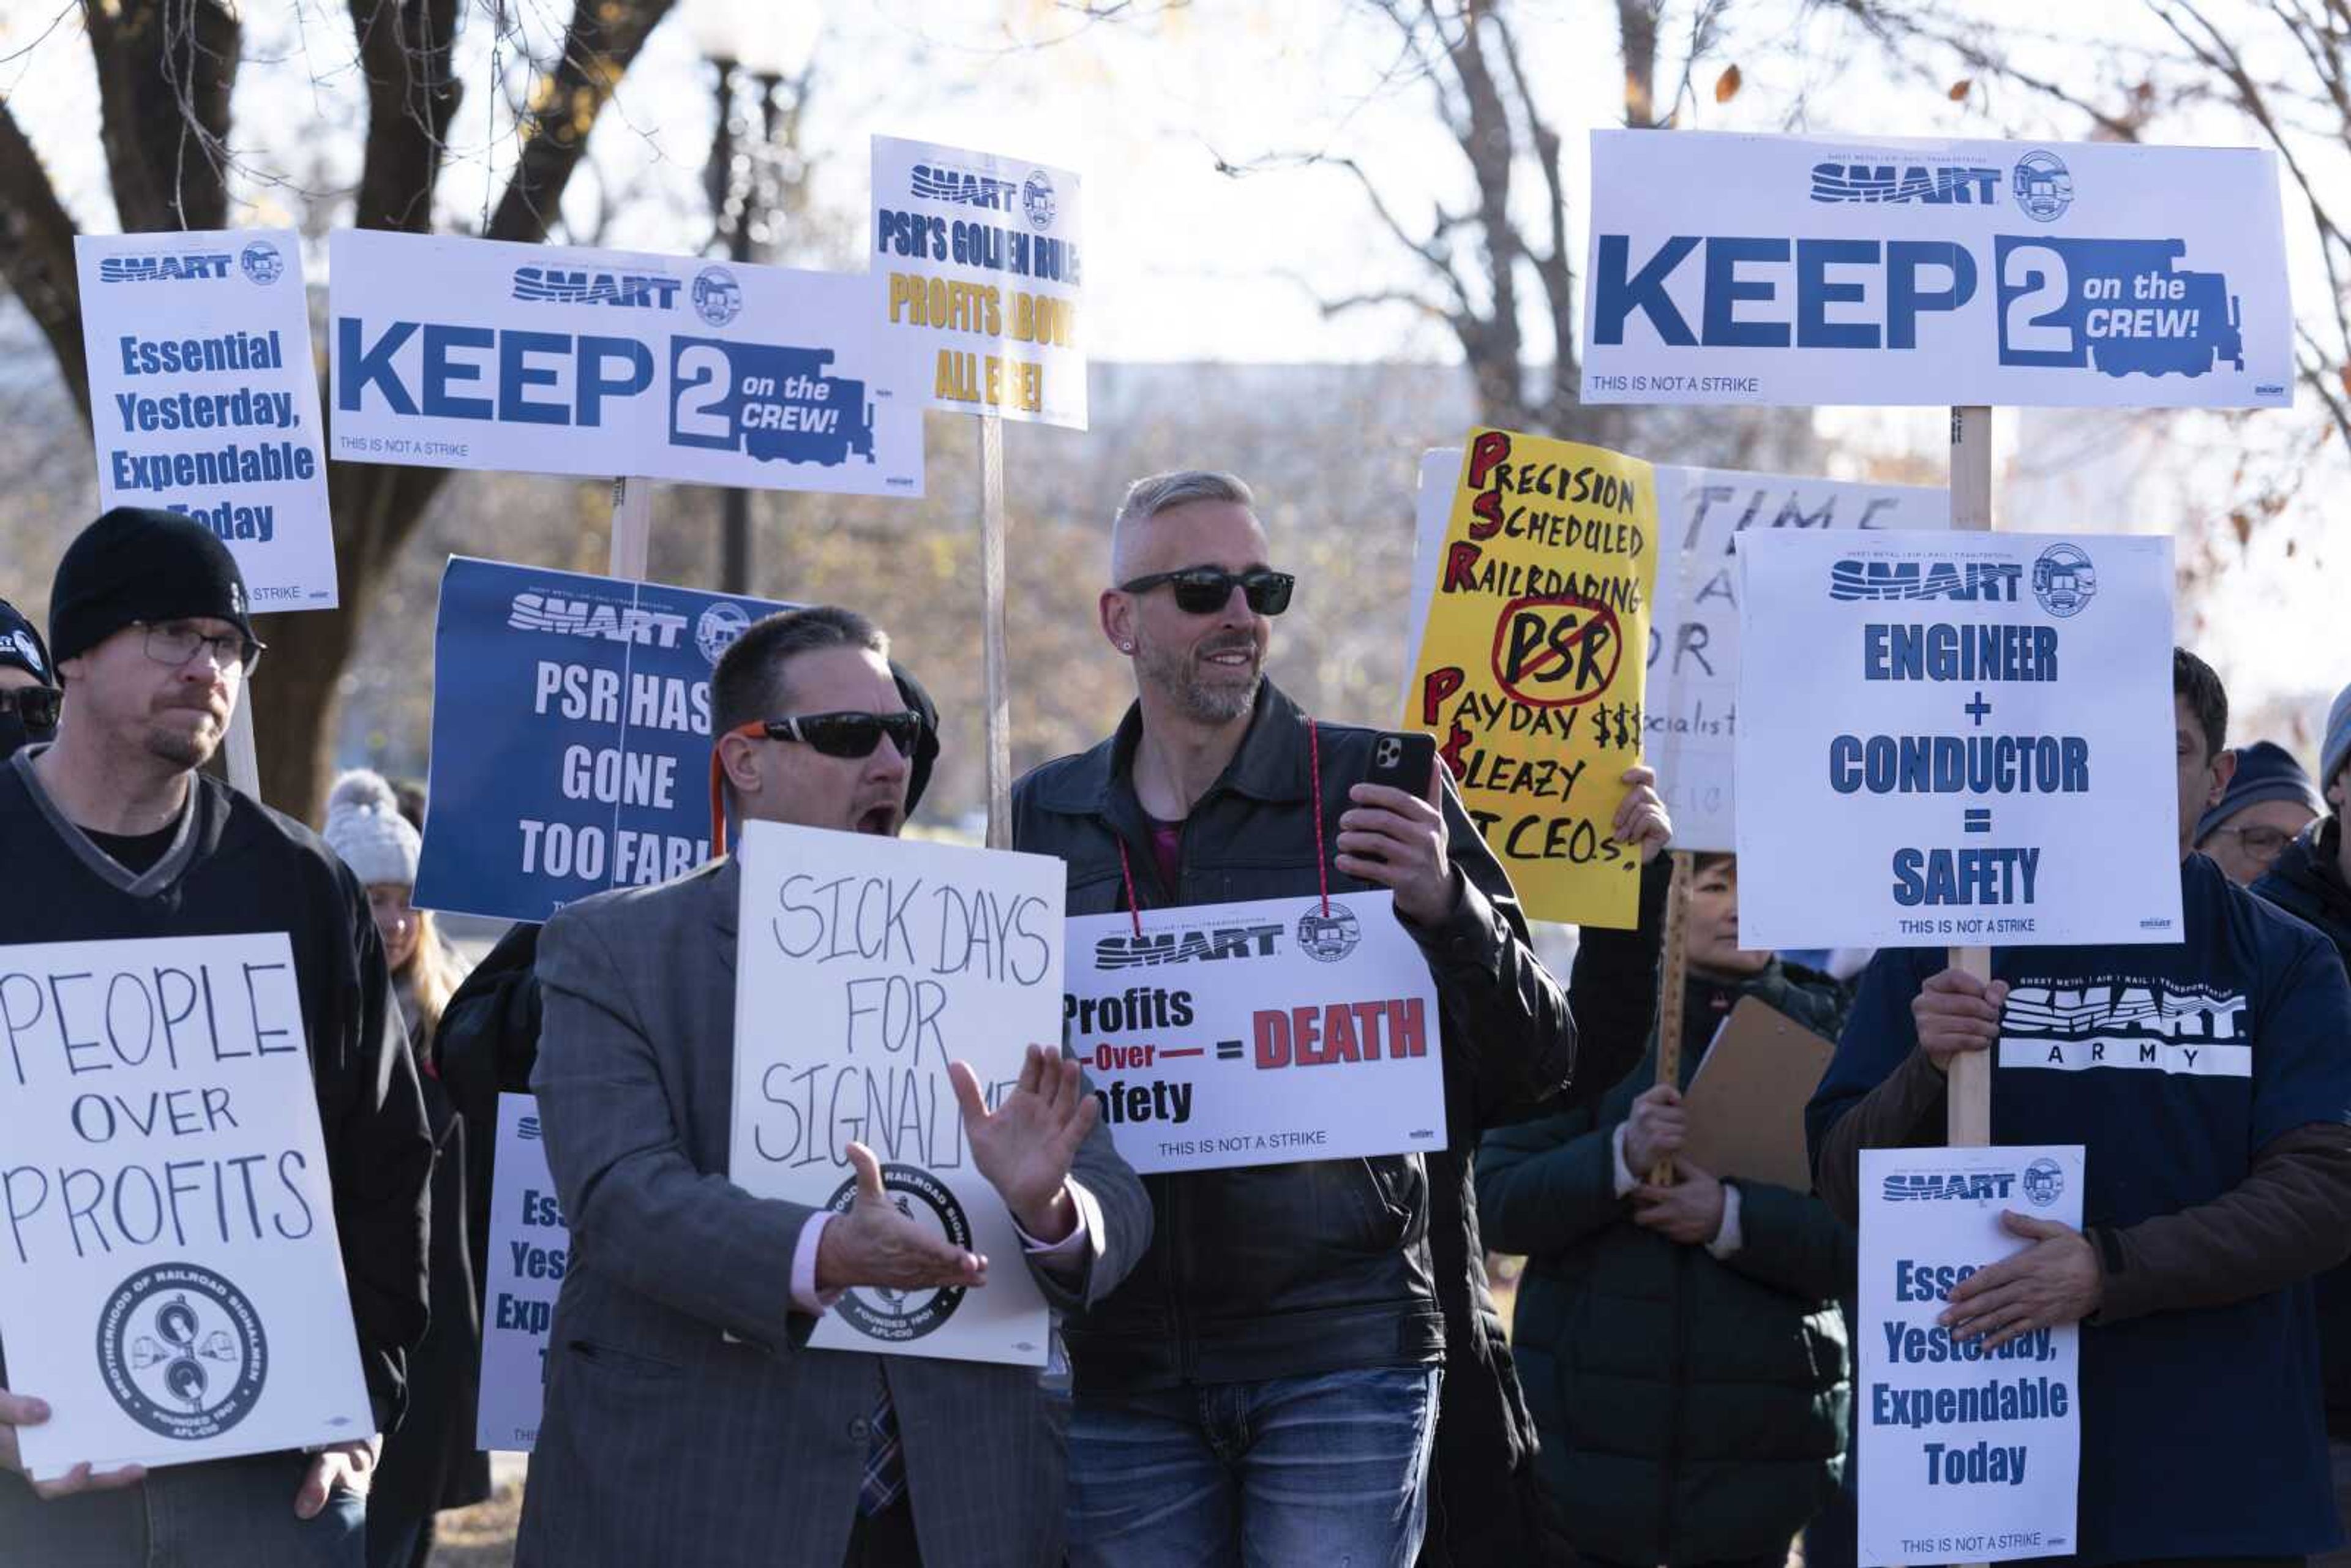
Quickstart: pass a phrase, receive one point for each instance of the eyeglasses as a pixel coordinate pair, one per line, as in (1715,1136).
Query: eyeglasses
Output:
(1205,590)
(843,734)
(2258,842)
(175,643)
(38,707)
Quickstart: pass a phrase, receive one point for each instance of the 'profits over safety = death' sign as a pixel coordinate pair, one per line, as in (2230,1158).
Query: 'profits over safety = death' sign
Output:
(466,353)
(1532,661)
(1257,1033)
(1778,269)
(1955,739)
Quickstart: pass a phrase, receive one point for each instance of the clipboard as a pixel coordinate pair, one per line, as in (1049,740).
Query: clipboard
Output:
(1746,1101)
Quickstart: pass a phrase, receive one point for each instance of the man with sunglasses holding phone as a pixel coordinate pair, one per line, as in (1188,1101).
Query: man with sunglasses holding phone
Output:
(111,833)
(1264,1387)
(29,698)
(686,1421)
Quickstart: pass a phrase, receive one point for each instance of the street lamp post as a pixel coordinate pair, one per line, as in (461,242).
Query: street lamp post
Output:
(770,42)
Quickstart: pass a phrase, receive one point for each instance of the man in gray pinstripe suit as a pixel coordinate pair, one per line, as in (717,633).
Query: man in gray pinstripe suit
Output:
(687,1422)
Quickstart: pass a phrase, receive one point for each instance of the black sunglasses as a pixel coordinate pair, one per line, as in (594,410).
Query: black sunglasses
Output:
(849,733)
(37,705)
(1205,590)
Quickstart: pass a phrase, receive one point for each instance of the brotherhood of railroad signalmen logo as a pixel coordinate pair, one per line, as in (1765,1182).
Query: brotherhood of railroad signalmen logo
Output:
(182,1351)
(884,1313)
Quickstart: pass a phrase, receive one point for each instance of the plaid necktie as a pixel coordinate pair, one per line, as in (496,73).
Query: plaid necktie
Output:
(885,1462)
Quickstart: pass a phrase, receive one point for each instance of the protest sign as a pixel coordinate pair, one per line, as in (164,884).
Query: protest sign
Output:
(1955,739)
(171,1281)
(204,398)
(865,965)
(1966,1456)
(1780,269)
(1693,693)
(530,1247)
(1201,1030)
(470,353)
(975,263)
(570,736)
(1542,590)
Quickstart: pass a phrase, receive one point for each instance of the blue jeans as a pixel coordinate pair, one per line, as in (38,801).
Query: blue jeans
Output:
(1329,1469)
(224,1512)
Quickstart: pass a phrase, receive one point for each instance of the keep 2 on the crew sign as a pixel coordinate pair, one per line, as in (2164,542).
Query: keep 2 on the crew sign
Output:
(1533,667)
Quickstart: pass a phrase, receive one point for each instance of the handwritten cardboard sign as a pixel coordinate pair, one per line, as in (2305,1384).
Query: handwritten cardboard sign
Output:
(169,1278)
(1533,667)
(865,966)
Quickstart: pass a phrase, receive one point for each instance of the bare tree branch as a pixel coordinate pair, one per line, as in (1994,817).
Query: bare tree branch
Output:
(603,42)
(36,254)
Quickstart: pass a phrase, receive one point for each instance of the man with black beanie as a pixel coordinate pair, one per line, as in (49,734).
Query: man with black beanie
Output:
(116,836)
(28,688)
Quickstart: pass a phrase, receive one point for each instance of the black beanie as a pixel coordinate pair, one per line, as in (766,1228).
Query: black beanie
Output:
(21,648)
(926,750)
(137,563)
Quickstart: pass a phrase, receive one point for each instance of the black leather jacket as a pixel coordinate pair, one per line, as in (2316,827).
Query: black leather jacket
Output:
(1264,1272)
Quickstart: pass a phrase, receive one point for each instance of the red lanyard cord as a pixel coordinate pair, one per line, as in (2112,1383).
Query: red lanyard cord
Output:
(1126,869)
(1322,864)
(1314,763)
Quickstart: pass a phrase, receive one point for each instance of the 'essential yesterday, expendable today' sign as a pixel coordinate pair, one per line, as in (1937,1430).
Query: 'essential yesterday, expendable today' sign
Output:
(468,353)
(203,398)
(1778,269)
(1966,1454)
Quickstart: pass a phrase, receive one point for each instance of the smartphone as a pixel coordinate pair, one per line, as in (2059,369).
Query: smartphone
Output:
(1403,759)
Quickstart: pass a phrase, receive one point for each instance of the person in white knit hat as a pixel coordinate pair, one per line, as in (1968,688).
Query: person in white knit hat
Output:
(430,1463)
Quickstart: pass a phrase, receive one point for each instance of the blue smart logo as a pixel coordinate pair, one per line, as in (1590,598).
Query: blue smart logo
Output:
(1036,199)
(2043,189)
(2044,1183)
(717,298)
(2063,581)
(261,263)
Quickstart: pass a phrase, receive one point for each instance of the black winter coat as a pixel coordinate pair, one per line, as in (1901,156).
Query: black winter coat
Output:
(2308,881)
(1691,1409)
(1486,1503)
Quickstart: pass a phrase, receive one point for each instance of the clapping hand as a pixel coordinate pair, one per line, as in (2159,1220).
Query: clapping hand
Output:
(1025,1146)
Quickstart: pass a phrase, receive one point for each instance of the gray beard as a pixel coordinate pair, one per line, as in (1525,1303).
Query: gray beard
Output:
(1201,702)
(178,750)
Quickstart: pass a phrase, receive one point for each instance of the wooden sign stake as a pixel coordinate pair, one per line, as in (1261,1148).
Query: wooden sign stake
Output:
(991,592)
(1671,984)
(633,518)
(1969,1099)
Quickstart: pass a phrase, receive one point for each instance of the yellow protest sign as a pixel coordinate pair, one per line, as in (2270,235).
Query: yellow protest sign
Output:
(1532,666)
